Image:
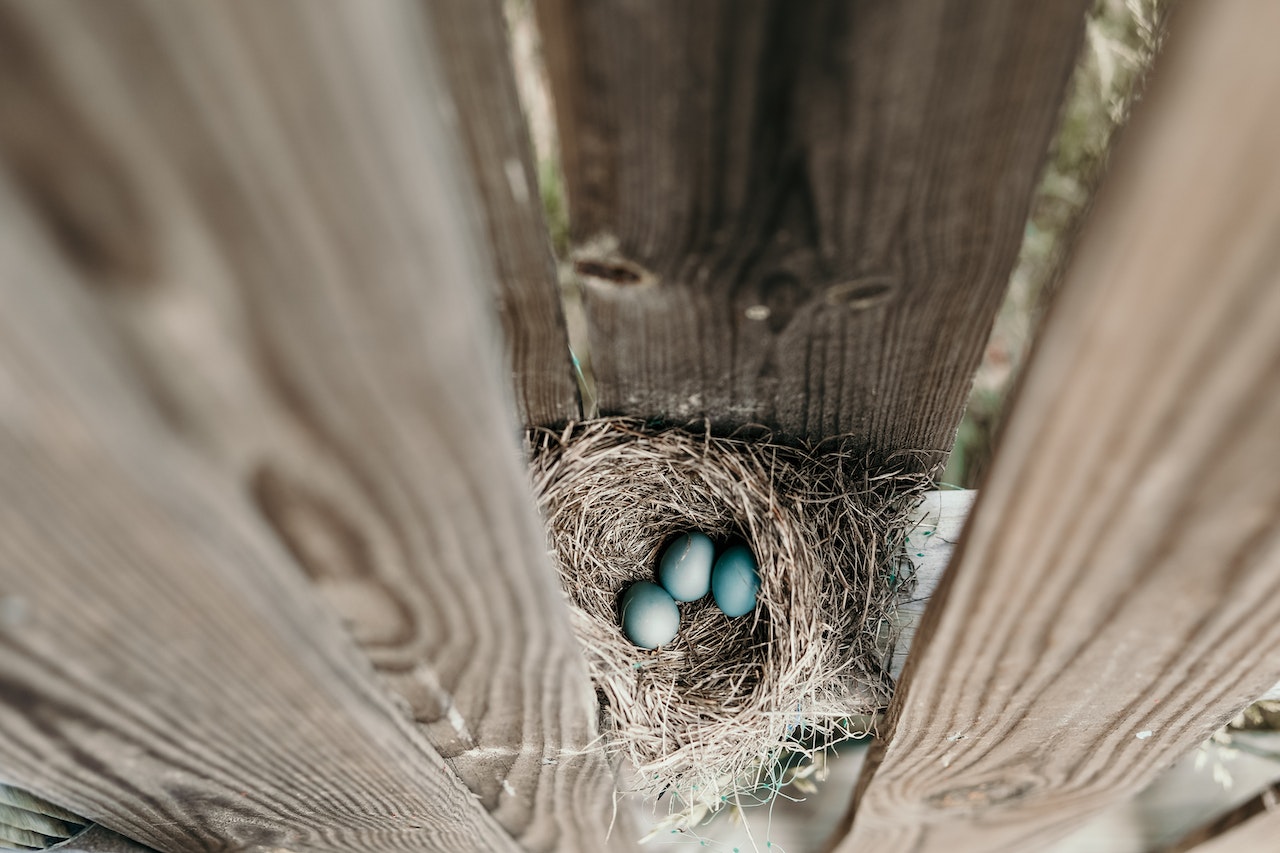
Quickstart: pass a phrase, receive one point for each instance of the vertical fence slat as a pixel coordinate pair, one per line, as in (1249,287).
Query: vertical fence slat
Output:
(265,212)
(471,37)
(801,215)
(1117,594)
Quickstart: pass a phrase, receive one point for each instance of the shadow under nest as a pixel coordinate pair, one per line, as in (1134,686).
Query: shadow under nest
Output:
(705,714)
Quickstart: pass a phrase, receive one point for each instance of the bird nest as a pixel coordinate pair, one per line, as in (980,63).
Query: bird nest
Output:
(705,713)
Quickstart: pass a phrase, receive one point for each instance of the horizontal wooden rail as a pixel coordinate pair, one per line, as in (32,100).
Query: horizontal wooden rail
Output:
(1254,825)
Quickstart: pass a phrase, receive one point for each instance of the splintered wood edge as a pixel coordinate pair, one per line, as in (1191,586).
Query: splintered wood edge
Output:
(935,531)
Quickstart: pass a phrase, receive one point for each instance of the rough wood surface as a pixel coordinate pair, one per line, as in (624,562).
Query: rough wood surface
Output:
(472,39)
(1116,597)
(801,215)
(938,525)
(262,209)
(164,668)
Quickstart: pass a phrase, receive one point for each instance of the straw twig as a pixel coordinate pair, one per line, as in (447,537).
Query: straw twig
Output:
(703,715)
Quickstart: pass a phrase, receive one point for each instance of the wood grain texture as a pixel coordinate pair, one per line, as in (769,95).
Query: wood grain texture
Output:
(1251,827)
(937,527)
(164,669)
(303,296)
(801,215)
(476,59)
(1116,597)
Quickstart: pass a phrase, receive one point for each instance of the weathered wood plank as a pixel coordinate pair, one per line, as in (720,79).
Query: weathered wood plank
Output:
(164,669)
(266,205)
(938,524)
(801,215)
(1117,594)
(472,40)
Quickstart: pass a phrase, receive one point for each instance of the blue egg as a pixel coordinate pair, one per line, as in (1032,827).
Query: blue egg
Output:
(650,617)
(685,570)
(735,580)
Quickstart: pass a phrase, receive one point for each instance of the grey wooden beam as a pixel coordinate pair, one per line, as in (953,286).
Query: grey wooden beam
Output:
(802,215)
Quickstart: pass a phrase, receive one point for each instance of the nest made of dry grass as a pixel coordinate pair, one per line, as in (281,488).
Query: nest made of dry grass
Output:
(704,713)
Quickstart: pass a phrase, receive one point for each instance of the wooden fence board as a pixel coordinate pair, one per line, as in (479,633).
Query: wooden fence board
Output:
(472,40)
(801,215)
(164,670)
(1117,594)
(280,235)
(938,524)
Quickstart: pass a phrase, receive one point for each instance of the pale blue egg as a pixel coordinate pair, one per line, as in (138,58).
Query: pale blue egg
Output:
(735,581)
(685,569)
(650,617)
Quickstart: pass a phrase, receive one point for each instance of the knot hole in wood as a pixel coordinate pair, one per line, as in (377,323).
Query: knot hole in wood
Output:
(778,296)
(862,293)
(335,552)
(612,271)
(982,795)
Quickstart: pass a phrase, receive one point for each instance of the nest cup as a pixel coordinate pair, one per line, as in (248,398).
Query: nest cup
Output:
(708,714)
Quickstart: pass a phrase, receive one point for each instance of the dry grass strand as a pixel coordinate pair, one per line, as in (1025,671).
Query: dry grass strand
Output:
(706,714)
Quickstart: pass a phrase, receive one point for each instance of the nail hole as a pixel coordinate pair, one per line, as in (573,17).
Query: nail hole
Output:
(861,293)
(618,272)
(780,295)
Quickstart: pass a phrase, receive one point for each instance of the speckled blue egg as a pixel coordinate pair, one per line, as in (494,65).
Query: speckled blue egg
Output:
(650,617)
(685,568)
(735,581)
